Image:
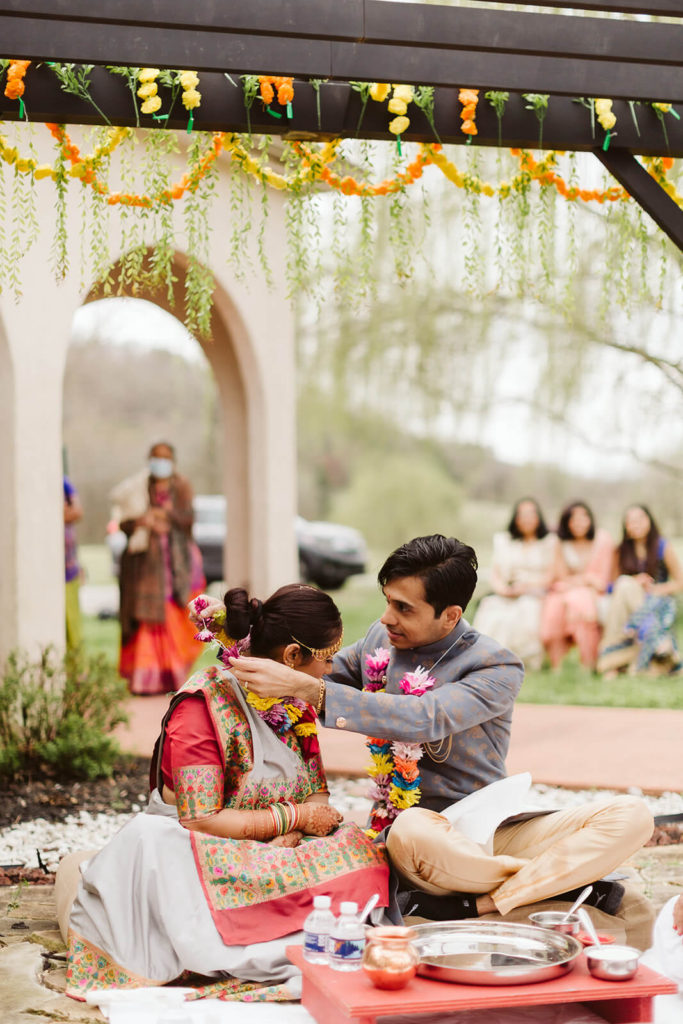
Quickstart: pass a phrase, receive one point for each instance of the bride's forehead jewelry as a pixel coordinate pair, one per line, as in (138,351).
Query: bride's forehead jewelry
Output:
(322,653)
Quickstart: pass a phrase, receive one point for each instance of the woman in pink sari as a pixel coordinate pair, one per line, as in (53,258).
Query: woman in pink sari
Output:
(570,609)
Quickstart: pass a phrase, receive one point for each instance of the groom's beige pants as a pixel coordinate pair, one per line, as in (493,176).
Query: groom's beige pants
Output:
(531,860)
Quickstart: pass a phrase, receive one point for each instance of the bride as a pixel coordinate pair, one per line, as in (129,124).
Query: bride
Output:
(218,874)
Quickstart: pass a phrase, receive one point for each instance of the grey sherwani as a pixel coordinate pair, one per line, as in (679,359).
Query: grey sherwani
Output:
(465,718)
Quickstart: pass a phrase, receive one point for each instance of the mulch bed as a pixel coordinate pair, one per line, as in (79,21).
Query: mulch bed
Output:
(52,799)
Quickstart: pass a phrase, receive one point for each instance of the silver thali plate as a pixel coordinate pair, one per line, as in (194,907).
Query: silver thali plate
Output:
(492,952)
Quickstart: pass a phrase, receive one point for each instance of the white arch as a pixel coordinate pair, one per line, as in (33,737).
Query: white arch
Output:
(252,355)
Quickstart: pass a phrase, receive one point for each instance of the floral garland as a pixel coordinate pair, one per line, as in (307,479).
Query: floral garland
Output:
(469,99)
(15,85)
(280,715)
(316,166)
(348,185)
(268,85)
(394,769)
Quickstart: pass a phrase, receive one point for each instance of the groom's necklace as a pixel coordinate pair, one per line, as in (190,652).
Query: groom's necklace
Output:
(441,751)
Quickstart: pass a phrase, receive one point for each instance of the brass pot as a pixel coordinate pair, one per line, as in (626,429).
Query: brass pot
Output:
(389,959)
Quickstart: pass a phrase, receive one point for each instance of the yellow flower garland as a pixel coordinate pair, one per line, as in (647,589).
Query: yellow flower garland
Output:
(316,166)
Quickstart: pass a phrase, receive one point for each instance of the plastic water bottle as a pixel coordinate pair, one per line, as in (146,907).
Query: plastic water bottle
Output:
(347,939)
(317,928)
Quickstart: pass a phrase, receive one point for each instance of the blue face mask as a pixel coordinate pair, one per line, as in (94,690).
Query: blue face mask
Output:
(160,469)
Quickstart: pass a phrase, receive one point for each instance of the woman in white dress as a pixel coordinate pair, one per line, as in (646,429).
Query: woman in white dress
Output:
(523,567)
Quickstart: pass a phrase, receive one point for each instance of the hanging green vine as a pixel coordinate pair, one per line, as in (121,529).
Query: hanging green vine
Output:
(130,75)
(538,102)
(250,90)
(75,79)
(363,90)
(498,101)
(423,97)
(60,242)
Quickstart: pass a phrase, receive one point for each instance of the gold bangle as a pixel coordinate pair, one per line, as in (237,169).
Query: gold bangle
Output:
(321,698)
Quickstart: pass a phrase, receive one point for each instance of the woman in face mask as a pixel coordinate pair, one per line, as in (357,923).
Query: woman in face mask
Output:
(160,572)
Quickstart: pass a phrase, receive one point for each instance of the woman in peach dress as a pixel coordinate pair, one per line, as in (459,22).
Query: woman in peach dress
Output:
(571,608)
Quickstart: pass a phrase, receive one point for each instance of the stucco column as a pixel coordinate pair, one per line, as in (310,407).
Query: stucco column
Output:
(36,336)
(260,324)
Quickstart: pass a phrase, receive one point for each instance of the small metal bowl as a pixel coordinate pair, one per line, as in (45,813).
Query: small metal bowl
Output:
(612,963)
(555,921)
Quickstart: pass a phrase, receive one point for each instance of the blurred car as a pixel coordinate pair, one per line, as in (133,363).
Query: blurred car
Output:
(328,552)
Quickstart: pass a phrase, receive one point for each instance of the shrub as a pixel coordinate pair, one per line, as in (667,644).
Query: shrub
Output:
(57,714)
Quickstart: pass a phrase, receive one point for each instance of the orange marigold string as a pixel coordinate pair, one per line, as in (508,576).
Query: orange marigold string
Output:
(14,89)
(348,185)
(283,86)
(469,99)
(188,182)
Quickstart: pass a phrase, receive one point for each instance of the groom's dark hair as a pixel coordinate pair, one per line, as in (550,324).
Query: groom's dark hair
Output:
(446,566)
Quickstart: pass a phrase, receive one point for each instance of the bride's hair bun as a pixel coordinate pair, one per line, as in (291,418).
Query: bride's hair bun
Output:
(256,614)
(238,613)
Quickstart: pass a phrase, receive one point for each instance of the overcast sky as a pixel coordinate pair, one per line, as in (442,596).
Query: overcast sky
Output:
(509,428)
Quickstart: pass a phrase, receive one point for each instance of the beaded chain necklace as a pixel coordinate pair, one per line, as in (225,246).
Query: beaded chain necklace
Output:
(394,770)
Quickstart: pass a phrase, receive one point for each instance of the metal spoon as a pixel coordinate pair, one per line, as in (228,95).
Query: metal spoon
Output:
(584,917)
(369,907)
(583,895)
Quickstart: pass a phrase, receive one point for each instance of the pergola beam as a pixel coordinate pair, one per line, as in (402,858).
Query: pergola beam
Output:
(568,125)
(658,8)
(379,23)
(642,187)
(203,50)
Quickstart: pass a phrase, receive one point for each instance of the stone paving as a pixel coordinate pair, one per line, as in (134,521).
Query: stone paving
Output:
(32,971)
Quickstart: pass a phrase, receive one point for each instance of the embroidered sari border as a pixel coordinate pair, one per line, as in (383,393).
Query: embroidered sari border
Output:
(90,967)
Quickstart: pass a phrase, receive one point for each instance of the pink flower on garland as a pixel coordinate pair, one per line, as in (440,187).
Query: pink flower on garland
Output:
(234,651)
(375,667)
(205,635)
(417,682)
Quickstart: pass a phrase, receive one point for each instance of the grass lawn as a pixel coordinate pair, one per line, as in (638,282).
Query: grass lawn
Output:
(360,603)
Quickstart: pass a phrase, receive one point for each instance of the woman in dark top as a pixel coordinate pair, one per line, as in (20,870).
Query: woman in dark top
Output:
(639,629)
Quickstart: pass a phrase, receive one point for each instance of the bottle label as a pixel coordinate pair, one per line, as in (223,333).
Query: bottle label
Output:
(315,942)
(347,949)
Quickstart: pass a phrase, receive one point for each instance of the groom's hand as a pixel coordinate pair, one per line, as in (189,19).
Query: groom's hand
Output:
(268,678)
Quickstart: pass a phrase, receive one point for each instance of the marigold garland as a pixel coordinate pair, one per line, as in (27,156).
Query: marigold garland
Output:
(148,90)
(469,99)
(15,86)
(316,165)
(269,85)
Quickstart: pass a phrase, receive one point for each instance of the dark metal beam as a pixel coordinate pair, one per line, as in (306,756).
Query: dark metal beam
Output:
(645,190)
(567,126)
(657,8)
(330,19)
(372,21)
(41,39)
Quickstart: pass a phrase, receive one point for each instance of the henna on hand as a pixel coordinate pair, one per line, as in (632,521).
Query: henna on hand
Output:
(289,839)
(319,819)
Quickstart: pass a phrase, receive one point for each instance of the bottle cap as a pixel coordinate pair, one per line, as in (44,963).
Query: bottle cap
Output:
(348,908)
(322,902)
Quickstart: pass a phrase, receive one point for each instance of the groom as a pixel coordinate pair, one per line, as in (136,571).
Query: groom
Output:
(462,721)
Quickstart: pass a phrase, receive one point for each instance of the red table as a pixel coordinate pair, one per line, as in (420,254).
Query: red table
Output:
(338,997)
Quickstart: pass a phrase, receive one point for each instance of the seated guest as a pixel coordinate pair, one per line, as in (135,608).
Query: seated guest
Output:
(639,632)
(217,875)
(582,573)
(521,572)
